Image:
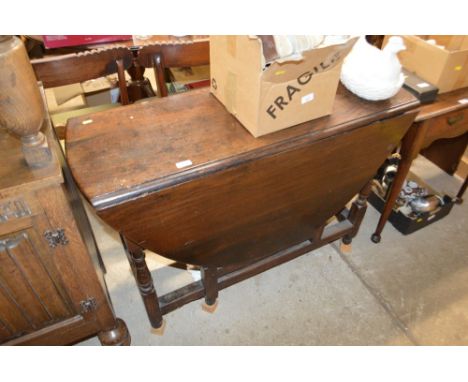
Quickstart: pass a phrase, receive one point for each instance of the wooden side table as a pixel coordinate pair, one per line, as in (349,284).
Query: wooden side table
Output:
(446,118)
(180,176)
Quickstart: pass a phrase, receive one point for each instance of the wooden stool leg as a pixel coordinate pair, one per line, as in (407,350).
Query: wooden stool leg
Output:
(459,197)
(136,257)
(410,147)
(210,282)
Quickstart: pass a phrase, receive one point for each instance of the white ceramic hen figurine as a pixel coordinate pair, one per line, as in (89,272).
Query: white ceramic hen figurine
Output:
(371,73)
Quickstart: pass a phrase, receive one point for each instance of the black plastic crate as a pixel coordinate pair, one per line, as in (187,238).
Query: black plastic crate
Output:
(407,224)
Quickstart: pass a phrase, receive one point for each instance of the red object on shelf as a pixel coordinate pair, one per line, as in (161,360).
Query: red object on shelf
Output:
(60,41)
(198,84)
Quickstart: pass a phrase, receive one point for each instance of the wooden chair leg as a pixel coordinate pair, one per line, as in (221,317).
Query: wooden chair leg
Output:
(136,257)
(159,73)
(210,282)
(122,82)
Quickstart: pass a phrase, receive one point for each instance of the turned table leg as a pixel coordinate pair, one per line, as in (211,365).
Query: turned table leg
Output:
(210,282)
(410,147)
(136,257)
(117,336)
(357,212)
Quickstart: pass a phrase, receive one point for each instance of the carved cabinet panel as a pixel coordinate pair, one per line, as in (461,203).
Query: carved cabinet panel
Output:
(32,294)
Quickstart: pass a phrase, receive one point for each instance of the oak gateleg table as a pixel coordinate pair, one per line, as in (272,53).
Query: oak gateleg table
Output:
(181,177)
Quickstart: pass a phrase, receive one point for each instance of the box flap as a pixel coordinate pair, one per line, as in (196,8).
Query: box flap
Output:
(451,43)
(314,61)
(67,92)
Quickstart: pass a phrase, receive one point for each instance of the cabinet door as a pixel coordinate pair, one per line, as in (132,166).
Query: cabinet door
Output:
(52,292)
(32,294)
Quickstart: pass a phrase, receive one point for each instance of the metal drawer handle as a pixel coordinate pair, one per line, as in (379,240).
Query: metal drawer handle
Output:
(453,120)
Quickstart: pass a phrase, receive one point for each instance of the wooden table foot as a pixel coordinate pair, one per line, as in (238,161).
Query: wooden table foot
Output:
(210,308)
(118,336)
(159,331)
(375,238)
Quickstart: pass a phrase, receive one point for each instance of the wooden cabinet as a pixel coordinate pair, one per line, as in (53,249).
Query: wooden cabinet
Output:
(52,289)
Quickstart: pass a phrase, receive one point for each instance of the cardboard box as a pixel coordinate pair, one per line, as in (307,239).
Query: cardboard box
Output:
(444,65)
(57,102)
(282,95)
(190,75)
(102,97)
(67,92)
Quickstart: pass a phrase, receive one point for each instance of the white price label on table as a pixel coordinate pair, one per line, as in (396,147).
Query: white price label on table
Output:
(184,163)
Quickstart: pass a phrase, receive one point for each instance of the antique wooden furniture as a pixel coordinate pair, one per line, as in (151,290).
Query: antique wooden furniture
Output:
(139,86)
(74,68)
(174,53)
(52,290)
(440,123)
(133,56)
(181,177)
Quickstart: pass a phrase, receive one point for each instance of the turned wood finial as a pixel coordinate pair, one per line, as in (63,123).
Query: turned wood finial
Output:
(21,105)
